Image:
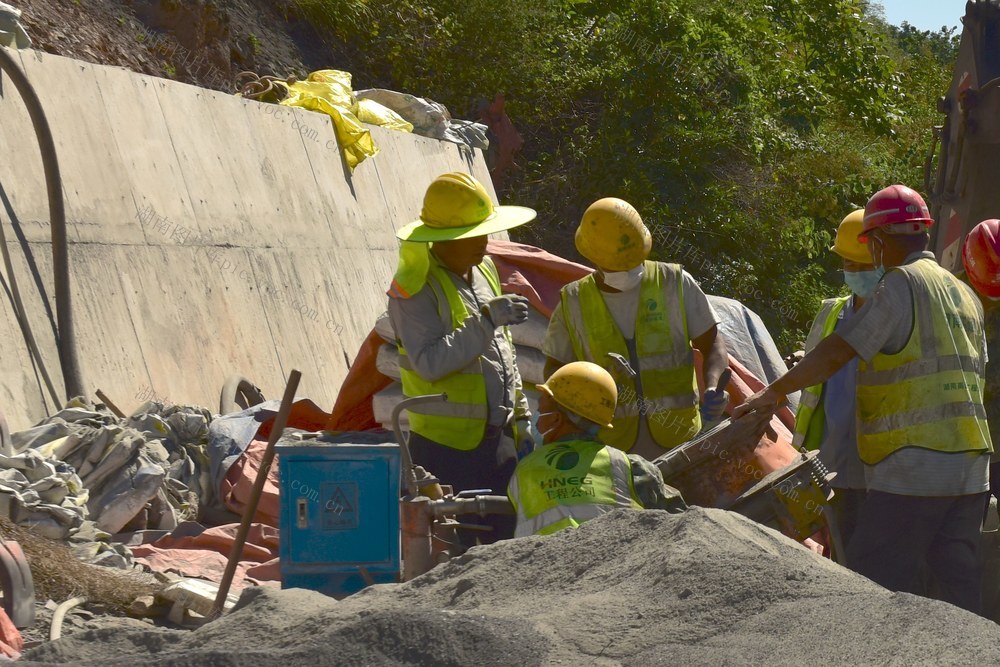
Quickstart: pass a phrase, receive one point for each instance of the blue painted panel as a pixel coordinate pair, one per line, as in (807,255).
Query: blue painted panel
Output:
(339,513)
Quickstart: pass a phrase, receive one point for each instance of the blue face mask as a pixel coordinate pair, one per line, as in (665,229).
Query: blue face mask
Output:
(863,283)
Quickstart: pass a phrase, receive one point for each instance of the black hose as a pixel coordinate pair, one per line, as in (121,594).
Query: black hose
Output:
(238,393)
(65,338)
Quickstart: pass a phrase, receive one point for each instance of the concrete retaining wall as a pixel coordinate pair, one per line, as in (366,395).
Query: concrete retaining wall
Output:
(209,235)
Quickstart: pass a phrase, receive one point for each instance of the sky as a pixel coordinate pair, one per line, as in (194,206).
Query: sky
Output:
(924,14)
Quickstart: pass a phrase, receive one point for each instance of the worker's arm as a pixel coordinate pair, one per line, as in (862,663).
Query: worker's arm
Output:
(703,327)
(712,346)
(434,352)
(816,367)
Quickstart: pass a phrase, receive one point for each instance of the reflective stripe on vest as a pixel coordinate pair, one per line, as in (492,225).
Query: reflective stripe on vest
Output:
(930,394)
(568,482)
(460,421)
(663,347)
(810,418)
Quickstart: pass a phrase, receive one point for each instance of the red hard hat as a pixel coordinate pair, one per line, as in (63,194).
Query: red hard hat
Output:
(981,257)
(897,209)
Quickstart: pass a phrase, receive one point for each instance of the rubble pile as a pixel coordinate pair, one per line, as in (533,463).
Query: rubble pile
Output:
(628,588)
(83,475)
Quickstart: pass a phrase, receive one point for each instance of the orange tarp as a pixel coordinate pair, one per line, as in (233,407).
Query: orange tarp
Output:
(239,480)
(205,555)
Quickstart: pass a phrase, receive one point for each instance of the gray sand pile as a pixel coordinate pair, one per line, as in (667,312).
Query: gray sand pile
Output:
(629,588)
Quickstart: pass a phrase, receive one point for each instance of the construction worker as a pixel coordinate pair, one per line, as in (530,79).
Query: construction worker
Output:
(825,418)
(922,430)
(981,258)
(648,314)
(451,320)
(574,476)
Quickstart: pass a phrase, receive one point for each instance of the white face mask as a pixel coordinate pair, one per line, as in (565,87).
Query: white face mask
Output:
(539,436)
(623,280)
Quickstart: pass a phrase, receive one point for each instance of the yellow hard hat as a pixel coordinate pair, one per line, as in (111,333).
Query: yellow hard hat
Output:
(611,235)
(846,244)
(584,389)
(457,206)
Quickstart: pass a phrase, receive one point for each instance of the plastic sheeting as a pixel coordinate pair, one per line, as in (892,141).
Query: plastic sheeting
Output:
(236,449)
(192,550)
(429,118)
(748,339)
(12,34)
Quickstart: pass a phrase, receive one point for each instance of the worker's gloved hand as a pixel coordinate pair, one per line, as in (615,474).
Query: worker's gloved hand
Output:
(713,406)
(506,309)
(525,439)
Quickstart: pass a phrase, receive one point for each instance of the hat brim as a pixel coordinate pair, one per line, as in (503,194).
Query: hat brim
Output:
(544,388)
(503,218)
(860,258)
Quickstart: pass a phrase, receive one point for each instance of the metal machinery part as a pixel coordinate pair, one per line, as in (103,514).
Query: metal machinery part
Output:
(795,501)
(427,510)
(961,187)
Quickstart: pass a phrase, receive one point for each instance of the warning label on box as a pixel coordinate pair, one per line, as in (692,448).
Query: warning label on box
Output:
(340,505)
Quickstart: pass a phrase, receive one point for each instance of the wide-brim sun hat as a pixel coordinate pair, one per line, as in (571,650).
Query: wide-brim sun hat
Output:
(457,206)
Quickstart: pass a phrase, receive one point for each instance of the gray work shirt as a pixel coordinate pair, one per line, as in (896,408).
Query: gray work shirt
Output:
(436,351)
(884,324)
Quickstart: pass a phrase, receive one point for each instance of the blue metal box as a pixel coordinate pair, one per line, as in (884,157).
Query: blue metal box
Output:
(339,514)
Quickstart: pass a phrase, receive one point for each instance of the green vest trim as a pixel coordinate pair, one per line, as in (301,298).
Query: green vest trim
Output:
(930,394)
(460,422)
(666,359)
(568,482)
(810,418)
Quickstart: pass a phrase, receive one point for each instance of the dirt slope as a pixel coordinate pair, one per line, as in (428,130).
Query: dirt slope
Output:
(196,41)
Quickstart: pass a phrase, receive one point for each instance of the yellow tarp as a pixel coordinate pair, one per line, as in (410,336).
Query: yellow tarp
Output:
(329,91)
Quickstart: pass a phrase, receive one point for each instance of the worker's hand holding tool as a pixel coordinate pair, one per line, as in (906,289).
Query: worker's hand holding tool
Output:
(714,401)
(506,309)
(765,400)
(713,406)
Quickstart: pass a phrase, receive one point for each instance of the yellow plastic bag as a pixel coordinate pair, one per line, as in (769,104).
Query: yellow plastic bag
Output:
(329,92)
(339,82)
(370,111)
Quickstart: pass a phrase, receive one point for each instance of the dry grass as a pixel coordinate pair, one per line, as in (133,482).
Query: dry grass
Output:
(59,575)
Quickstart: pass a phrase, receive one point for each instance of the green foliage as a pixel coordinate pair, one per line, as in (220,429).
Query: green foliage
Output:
(743,131)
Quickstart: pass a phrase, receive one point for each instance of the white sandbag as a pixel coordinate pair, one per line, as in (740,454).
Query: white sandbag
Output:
(387,361)
(384,401)
(383,327)
(530,333)
(530,364)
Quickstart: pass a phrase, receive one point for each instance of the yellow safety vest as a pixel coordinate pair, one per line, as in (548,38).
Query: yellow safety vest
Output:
(663,347)
(568,482)
(810,418)
(461,421)
(930,394)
